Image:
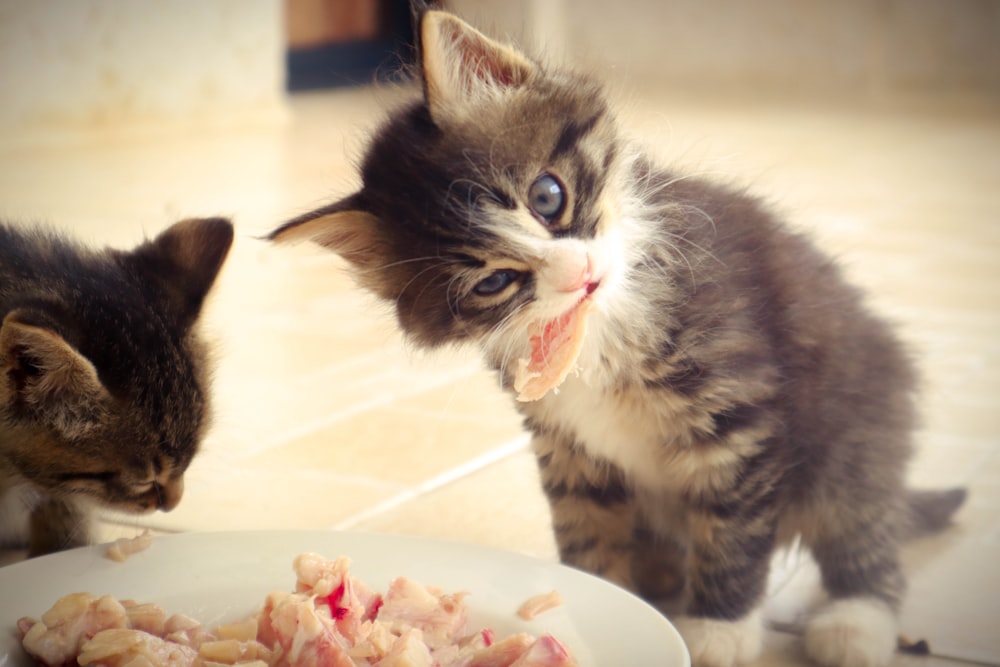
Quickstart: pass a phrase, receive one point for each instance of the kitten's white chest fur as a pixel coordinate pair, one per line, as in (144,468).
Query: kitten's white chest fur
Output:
(627,432)
(618,425)
(652,438)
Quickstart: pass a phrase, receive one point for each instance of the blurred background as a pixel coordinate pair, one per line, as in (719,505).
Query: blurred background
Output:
(100,62)
(872,124)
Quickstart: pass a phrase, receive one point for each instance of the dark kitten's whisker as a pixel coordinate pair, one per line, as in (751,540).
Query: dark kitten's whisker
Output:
(78,532)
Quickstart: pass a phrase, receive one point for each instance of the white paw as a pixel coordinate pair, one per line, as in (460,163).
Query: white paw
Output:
(715,643)
(854,632)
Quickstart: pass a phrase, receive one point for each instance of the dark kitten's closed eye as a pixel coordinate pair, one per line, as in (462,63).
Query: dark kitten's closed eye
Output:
(104,476)
(497,282)
(547,198)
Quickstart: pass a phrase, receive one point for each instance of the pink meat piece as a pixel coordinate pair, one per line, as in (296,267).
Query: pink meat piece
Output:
(502,653)
(73,619)
(547,651)
(185,630)
(440,617)
(409,650)
(146,617)
(538,604)
(121,549)
(306,634)
(460,653)
(122,647)
(350,601)
(317,575)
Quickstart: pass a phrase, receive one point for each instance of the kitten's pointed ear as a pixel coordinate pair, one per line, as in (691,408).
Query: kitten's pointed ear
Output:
(186,259)
(459,63)
(43,378)
(351,232)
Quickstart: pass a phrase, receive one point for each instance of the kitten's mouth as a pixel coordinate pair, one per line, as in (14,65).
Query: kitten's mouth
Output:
(555,346)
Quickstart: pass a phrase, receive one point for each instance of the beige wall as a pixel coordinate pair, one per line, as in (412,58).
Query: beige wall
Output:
(878,47)
(111,63)
(115,63)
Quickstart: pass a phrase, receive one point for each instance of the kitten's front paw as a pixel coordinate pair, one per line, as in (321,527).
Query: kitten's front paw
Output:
(717,643)
(855,632)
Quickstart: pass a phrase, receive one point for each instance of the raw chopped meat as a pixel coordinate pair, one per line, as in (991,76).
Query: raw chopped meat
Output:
(120,647)
(409,650)
(538,604)
(545,652)
(555,346)
(57,638)
(331,619)
(440,617)
(121,549)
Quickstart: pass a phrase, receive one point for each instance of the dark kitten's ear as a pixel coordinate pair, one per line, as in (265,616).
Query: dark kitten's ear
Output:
(44,378)
(460,64)
(352,233)
(186,259)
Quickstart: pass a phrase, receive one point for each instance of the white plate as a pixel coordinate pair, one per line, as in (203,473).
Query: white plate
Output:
(219,577)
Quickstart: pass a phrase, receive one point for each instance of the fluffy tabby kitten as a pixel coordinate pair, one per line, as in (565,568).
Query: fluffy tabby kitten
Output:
(733,392)
(103,396)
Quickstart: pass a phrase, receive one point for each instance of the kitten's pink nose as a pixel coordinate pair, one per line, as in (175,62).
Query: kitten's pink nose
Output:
(582,280)
(570,268)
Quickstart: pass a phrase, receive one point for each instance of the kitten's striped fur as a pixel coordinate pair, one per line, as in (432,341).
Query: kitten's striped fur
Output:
(734,391)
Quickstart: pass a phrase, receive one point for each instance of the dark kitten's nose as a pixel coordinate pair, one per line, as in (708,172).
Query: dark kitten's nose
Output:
(168,495)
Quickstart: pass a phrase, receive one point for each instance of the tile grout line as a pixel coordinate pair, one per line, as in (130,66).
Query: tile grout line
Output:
(482,461)
(318,424)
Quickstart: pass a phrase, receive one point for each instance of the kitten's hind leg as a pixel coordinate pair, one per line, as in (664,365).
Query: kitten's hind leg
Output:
(859,628)
(861,572)
(852,632)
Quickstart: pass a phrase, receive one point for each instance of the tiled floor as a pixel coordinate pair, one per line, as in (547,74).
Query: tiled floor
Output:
(327,420)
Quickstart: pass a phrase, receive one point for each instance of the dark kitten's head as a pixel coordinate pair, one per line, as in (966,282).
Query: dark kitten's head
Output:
(493,202)
(103,388)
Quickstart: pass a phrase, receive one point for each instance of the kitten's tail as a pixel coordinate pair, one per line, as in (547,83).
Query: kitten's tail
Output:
(931,511)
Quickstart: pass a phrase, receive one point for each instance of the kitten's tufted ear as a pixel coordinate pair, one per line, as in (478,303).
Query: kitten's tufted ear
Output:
(460,64)
(352,233)
(186,259)
(44,379)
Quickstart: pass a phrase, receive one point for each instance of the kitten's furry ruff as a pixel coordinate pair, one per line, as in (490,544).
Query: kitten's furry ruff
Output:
(734,391)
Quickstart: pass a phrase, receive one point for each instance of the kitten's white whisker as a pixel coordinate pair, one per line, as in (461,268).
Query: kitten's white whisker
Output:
(501,332)
(389,265)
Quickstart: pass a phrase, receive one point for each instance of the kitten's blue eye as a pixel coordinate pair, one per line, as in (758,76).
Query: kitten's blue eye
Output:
(496,283)
(546,197)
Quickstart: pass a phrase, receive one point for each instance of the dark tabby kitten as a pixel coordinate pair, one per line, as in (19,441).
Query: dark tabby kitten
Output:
(733,392)
(103,396)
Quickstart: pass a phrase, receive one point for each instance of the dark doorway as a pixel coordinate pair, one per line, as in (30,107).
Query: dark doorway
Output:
(335,43)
